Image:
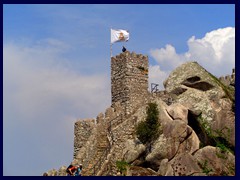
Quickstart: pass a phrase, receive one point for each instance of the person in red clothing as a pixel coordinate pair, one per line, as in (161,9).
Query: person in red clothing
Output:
(71,170)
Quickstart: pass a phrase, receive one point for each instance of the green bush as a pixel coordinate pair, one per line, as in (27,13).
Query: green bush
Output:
(122,167)
(149,130)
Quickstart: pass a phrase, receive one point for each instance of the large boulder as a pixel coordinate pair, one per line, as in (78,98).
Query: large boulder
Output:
(184,164)
(140,171)
(178,112)
(165,168)
(190,144)
(216,162)
(224,122)
(204,92)
(176,129)
(175,133)
(133,149)
(163,148)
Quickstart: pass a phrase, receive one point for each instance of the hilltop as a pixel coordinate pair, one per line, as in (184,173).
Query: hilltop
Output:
(196,117)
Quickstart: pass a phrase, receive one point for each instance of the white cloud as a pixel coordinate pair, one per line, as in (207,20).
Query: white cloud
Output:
(216,49)
(42,99)
(167,56)
(215,52)
(41,81)
(156,75)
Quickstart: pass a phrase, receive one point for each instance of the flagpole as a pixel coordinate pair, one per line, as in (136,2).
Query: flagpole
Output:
(110,42)
(111,49)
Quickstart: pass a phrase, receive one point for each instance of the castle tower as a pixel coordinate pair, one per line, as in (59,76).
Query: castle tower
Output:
(129,80)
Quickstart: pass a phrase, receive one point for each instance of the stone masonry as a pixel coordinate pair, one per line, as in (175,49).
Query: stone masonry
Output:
(129,80)
(228,79)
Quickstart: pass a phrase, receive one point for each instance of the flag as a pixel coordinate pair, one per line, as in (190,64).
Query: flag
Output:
(119,35)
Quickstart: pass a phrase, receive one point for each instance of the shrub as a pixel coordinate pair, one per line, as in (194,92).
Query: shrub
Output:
(149,130)
(122,167)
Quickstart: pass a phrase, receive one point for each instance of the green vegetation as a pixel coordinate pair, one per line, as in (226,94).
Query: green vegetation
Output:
(122,167)
(148,130)
(216,137)
(205,168)
(228,91)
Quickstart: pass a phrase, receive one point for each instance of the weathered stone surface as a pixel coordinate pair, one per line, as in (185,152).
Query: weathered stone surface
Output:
(190,144)
(100,118)
(52,172)
(224,122)
(134,148)
(82,131)
(178,112)
(165,168)
(164,117)
(215,161)
(62,171)
(184,164)
(175,129)
(129,80)
(109,112)
(140,171)
(118,109)
(163,148)
(207,94)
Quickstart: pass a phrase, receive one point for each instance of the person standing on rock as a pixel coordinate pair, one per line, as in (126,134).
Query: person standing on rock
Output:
(124,49)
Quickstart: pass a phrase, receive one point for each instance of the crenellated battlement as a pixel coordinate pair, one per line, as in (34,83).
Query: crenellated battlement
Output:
(131,55)
(228,79)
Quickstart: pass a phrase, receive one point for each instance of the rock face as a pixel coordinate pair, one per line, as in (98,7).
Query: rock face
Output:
(196,132)
(216,161)
(205,93)
(134,148)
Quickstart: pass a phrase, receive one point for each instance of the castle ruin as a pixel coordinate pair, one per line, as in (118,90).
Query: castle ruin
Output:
(95,139)
(102,142)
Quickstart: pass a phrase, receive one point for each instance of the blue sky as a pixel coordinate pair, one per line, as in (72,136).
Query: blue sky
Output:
(56,66)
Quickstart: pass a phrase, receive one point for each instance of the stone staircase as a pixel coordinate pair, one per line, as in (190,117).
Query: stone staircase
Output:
(98,159)
(99,162)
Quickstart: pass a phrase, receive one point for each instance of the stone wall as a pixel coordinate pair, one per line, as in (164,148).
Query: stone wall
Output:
(229,79)
(82,131)
(85,142)
(129,80)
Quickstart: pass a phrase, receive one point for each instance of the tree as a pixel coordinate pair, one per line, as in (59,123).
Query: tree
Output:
(148,130)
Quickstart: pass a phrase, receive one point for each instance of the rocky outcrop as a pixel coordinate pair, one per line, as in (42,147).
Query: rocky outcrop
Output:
(140,171)
(134,149)
(216,162)
(205,93)
(178,112)
(196,132)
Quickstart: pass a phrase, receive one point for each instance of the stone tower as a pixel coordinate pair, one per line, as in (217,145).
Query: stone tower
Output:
(129,80)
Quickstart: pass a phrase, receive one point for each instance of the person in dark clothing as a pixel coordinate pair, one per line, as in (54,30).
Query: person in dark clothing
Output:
(124,49)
